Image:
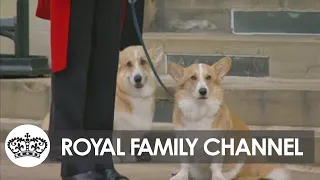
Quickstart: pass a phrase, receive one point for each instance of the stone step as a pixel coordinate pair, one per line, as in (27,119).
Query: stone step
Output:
(272,101)
(214,15)
(254,83)
(283,108)
(245,4)
(289,57)
(25,98)
(169,127)
(7,124)
(280,102)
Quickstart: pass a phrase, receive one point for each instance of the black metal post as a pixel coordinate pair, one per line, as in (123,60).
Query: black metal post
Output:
(21,63)
(22,31)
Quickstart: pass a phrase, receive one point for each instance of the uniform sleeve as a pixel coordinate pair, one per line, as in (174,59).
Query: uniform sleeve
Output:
(43,9)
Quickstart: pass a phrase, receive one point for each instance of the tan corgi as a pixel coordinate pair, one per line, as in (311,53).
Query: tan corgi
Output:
(136,85)
(199,105)
(150,11)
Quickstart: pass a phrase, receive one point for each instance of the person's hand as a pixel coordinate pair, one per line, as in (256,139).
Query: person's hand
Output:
(132,1)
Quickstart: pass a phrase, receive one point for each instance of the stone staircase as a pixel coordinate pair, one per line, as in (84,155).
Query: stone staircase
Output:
(275,84)
(275,81)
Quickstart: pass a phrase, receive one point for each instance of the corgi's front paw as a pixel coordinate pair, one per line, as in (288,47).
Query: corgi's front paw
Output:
(128,159)
(116,159)
(218,176)
(180,176)
(175,172)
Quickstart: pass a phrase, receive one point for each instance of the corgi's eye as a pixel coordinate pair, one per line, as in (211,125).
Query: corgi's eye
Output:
(193,78)
(208,77)
(129,64)
(143,62)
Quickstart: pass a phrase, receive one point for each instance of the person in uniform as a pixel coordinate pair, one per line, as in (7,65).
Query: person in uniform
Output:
(86,36)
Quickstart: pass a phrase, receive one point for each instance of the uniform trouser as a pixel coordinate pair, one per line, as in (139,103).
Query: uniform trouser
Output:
(129,36)
(83,94)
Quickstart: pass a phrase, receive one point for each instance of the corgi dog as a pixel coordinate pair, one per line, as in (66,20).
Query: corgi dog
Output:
(150,11)
(199,105)
(135,90)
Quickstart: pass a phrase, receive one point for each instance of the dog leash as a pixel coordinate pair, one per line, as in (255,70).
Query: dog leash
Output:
(136,25)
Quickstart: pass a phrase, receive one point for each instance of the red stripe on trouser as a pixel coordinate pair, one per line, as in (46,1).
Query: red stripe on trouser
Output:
(60,15)
(123,14)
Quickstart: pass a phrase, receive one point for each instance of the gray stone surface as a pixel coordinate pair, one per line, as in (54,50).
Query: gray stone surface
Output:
(192,15)
(247,66)
(24,99)
(190,20)
(248,4)
(292,57)
(270,102)
(267,22)
(265,108)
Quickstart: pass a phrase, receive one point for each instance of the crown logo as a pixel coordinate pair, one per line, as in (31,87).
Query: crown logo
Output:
(27,146)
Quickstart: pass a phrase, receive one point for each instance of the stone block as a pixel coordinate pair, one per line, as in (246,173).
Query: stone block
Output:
(248,66)
(312,107)
(290,57)
(190,20)
(238,3)
(276,22)
(291,108)
(283,108)
(24,100)
(305,4)
(175,3)
(245,104)
(317,150)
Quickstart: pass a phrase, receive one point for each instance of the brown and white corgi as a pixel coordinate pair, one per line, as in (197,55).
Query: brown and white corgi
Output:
(136,85)
(199,105)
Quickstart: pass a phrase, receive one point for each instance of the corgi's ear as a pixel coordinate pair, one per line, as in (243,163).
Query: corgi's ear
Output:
(156,54)
(120,59)
(222,67)
(175,71)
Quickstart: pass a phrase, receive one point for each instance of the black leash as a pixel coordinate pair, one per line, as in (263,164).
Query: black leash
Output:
(136,24)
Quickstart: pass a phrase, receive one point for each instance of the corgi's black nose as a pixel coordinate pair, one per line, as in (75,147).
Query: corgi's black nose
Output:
(203,91)
(137,78)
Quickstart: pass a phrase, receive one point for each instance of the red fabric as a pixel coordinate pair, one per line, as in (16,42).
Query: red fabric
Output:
(58,12)
(60,16)
(43,9)
(123,15)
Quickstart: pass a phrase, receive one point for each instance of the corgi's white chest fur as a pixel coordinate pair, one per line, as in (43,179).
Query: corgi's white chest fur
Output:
(140,117)
(198,114)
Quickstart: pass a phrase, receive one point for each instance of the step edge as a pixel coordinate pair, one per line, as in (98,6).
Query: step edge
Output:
(169,126)
(256,83)
(166,125)
(242,8)
(219,36)
(303,168)
(229,83)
